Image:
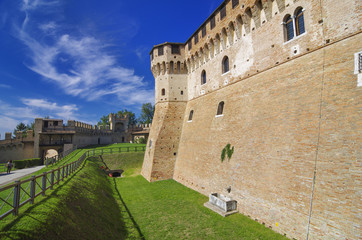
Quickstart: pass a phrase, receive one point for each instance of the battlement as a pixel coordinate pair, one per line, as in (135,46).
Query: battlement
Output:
(27,136)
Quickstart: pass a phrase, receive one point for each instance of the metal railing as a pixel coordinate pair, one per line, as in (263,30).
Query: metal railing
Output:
(16,195)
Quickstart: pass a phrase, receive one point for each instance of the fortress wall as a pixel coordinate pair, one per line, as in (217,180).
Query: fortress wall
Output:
(82,140)
(272,120)
(16,151)
(163,141)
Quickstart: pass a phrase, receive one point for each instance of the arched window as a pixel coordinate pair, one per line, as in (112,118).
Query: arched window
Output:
(288,28)
(203,77)
(163,92)
(225,65)
(220,108)
(299,21)
(191,114)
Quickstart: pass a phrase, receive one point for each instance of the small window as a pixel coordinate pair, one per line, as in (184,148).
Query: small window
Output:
(196,38)
(220,109)
(212,22)
(55,123)
(222,12)
(160,51)
(235,3)
(203,31)
(299,22)
(182,92)
(190,45)
(203,77)
(175,49)
(358,63)
(178,67)
(289,28)
(163,92)
(152,55)
(225,65)
(191,114)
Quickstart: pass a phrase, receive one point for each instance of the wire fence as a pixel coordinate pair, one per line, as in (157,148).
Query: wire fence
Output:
(14,196)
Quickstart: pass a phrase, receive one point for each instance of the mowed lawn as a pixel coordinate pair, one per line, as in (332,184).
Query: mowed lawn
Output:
(169,210)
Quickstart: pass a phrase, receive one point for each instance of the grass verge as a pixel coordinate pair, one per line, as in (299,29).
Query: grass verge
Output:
(169,210)
(83,207)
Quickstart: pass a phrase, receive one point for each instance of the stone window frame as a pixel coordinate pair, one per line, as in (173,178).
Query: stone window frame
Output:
(212,23)
(191,114)
(358,63)
(203,77)
(196,38)
(225,68)
(160,51)
(203,31)
(297,21)
(223,12)
(235,3)
(175,49)
(220,109)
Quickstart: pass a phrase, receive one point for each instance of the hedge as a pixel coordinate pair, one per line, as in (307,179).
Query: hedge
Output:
(26,163)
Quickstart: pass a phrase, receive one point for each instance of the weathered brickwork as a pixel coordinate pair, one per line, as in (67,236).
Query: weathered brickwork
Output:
(292,111)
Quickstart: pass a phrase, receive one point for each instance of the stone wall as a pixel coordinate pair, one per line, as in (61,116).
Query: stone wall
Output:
(291,110)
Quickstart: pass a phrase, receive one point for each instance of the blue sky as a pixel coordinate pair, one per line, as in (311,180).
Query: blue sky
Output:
(81,59)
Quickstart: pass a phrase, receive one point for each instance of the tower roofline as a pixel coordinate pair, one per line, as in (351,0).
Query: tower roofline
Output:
(166,43)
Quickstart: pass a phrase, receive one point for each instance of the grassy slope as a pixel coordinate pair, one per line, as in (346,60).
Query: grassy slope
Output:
(85,207)
(169,210)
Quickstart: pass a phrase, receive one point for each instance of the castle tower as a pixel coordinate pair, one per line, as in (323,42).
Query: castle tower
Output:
(171,94)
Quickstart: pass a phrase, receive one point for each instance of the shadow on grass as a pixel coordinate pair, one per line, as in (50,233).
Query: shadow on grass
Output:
(27,212)
(128,211)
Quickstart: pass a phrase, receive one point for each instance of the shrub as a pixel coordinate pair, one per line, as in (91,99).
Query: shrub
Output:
(26,163)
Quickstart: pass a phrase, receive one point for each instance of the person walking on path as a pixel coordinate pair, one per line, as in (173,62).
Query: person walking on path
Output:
(10,166)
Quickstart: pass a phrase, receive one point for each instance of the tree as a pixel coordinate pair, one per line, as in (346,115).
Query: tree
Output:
(104,121)
(131,115)
(21,127)
(146,113)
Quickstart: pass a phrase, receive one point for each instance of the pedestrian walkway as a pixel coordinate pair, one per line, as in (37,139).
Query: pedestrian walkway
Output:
(17,174)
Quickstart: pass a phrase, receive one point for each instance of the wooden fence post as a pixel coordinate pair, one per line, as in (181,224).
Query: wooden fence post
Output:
(32,189)
(51,180)
(62,173)
(58,175)
(44,184)
(16,198)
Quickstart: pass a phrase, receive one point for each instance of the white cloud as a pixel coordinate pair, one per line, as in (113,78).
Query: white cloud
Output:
(11,115)
(81,66)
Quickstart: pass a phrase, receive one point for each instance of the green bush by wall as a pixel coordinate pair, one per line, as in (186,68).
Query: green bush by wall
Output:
(26,163)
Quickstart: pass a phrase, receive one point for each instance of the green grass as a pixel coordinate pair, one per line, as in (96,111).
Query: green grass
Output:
(169,210)
(84,207)
(131,163)
(90,205)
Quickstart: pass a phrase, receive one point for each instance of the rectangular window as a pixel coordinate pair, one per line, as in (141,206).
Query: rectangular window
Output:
(196,38)
(190,45)
(160,51)
(204,31)
(152,55)
(358,63)
(223,12)
(212,22)
(175,49)
(235,3)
